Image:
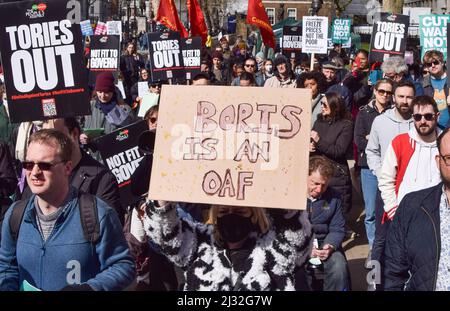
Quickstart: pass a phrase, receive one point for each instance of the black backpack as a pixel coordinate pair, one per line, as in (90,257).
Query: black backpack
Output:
(88,216)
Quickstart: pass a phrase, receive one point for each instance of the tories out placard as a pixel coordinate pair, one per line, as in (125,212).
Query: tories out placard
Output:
(234,146)
(291,41)
(433,33)
(42,57)
(191,49)
(166,59)
(389,37)
(120,153)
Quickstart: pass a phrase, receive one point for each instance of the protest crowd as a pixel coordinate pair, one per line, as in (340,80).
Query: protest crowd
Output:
(93,196)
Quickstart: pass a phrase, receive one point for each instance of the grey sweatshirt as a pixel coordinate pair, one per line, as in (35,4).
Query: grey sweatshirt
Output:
(385,127)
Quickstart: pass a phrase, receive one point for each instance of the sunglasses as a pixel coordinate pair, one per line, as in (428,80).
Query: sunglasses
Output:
(428,116)
(435,62)
(446,159)
(384,92)
(325,105)
(249,65)
(43,166)
(153,120)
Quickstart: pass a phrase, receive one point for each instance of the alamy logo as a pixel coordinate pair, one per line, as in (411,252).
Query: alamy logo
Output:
(36,11)
(74,275)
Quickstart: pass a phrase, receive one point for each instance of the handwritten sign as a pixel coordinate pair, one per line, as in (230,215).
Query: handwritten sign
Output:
(232,146)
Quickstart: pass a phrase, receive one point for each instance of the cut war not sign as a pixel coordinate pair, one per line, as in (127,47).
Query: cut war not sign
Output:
(292,41)
(433,33)
(42,56)
(191,50)
(166,60)
(389,37)
(121,154)
(232,146)
(104,54)
(340,33)
(315,34)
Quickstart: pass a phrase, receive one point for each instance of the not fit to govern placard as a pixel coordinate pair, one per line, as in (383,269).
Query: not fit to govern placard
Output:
(315,34)
(232,146)
(42,56)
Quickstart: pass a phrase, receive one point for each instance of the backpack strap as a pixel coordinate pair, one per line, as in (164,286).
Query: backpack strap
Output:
(89,217)
(16,218)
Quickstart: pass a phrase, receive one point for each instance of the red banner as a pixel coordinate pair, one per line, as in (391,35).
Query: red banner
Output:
(168,16)
(197,20)
(257,15)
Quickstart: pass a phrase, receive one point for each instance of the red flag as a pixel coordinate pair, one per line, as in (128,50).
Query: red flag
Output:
(257,15)
(197,20)
(168,16)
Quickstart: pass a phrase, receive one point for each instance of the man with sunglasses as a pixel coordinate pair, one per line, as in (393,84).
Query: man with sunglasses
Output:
(418,243)
(250,66)
(50,250)
(435,83)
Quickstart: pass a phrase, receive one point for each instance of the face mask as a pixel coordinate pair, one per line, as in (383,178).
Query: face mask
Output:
(234,228)
(269,69)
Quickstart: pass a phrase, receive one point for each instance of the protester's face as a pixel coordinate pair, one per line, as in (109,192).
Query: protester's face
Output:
(224,44)
(338,48)
(312,84)
(282,68)
(326,111)
(239,71)
(144,74)
(46,182)
(403,98)
(396,77)
(317,184)
(104,97)
(435,67)
(363,61)
(245,83)
(420,115)
(152,121)
(200,82)
(155,88)
(130,48)
(216,62)
(441,163)
(383,94)
(250,66)
(329,74)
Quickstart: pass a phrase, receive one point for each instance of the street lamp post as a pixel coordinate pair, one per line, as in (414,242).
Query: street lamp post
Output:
(316,5)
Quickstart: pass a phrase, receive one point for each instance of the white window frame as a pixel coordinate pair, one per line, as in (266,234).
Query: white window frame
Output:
(294,10)
(272,11)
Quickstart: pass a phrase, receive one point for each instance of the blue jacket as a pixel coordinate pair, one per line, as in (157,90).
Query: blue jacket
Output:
(413,242)
(66,258)
(328,223)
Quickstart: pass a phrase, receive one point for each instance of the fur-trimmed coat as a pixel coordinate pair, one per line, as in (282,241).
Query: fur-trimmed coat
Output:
(270,265)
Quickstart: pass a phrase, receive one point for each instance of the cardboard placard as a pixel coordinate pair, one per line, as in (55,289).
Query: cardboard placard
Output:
(315,34)
(292,41)
(234,146)
(389,37)
(120,153)
(166,60)
(114,28)
(433,33)
(105,53)
(42,56)
(191,50)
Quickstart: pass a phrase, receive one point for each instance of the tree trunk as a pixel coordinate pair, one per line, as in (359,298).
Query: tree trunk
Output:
(393,6)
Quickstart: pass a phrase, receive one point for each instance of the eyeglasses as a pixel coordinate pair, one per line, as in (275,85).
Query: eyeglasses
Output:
(435,62)
(249,65)
(428,116)
(446,159)
(43,166)
(384,92)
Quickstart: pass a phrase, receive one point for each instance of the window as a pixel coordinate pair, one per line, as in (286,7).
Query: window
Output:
(92,9)
(292,13)
(271,15)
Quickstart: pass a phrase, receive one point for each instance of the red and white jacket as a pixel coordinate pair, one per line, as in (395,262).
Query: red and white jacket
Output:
(409,165)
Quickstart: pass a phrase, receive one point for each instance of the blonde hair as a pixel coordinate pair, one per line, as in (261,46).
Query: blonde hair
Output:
(258,218)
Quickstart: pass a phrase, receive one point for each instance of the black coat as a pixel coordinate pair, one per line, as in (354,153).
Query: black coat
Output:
(8,179)
(413,242)
(363,125)
(335,143)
